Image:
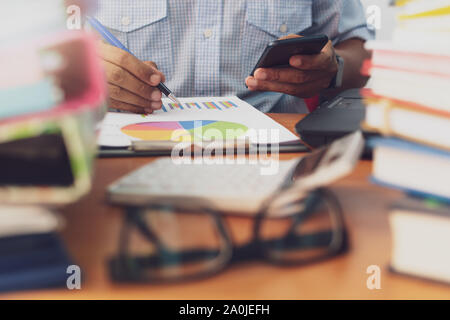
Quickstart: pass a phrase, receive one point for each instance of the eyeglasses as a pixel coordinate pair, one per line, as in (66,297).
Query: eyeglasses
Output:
(164,243)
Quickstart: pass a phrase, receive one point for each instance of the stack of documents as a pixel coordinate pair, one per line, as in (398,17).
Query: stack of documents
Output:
(409,103)
(31,254)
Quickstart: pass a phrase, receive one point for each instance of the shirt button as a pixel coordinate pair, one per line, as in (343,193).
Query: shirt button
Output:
(126,21)
(208,33)
(284,28)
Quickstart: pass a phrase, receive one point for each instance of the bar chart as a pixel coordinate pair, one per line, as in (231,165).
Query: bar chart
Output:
(207,105)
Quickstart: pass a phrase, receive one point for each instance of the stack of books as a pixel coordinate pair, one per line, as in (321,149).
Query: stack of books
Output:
(52,95)
(31,254)
(409,103)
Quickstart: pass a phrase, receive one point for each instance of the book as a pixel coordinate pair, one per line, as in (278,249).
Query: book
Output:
(425,22)
(32,261)
(24,220)
(72,79)
(420,236)
(21,67)
(439,40)
(411,167)
(46,160)
(40,96)
(424,8)
(31,253)
(434,24)
(431,90)
(396,118)
(398,58)
(415,47)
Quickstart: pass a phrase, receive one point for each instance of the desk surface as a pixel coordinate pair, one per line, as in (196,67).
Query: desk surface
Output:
(92,230)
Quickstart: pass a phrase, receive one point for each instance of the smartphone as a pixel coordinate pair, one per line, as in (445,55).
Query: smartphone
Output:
(278,52)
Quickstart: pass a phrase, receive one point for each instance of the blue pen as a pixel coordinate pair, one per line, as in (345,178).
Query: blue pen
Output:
(112,40)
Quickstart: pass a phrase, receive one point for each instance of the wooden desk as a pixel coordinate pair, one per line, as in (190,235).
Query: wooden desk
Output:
(91,236)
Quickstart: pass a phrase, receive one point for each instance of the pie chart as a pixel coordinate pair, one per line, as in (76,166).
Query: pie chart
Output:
(185,130)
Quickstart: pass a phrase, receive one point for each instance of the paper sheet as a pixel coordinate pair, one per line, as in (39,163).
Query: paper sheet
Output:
(198,118)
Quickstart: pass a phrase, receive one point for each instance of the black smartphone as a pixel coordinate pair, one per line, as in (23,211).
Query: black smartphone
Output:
(278,52)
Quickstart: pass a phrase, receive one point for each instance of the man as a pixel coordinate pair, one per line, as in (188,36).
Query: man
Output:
(209,47)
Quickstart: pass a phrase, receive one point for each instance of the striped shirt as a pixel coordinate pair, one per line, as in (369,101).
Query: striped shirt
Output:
(209,47)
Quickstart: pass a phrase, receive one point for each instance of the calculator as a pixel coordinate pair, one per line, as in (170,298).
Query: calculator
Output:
(240,187)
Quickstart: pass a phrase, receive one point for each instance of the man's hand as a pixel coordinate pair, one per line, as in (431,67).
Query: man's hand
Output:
(131,82)
(306,76)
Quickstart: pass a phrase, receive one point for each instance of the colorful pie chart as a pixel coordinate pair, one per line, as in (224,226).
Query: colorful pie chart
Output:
(185,130)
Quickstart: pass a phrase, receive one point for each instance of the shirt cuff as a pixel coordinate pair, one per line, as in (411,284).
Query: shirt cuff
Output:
(362,32)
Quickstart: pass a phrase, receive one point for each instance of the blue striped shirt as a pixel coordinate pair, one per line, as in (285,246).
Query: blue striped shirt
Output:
(209,47)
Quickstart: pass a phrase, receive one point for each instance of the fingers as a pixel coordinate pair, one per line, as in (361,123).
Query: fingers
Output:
(114,104)
(307,75)
(143,71)
(132,83)
(122,78)
(119,94)
(290,36)
(304,90)
(288,75)
(153,65)
(322,61)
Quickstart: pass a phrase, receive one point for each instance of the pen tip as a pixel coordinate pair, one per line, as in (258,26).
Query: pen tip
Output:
(174,99)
